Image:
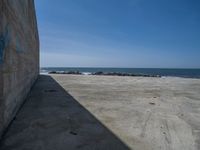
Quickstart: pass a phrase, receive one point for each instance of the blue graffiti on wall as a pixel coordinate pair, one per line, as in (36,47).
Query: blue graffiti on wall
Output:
(4,40)
(19,46)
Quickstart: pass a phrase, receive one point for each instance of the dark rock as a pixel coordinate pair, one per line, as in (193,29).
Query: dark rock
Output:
(52,72)
(98,73)
(123,74)
(73,133)
(152,103)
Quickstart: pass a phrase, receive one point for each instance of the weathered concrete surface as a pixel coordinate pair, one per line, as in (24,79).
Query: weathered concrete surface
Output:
(19,55)
(51,119)
(146,113)
(108,113)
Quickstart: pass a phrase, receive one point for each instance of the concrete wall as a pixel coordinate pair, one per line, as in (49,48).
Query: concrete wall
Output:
(19,56)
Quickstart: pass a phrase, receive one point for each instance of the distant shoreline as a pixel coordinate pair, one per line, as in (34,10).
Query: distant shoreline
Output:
(100,73)
(134,72)
(114,75)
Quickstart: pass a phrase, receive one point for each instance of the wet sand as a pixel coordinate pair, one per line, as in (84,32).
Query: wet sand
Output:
(108,112)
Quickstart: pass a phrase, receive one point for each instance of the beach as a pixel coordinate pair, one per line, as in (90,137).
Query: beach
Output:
(108,112)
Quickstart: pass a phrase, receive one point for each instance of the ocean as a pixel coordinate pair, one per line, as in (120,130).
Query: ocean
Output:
(187,73)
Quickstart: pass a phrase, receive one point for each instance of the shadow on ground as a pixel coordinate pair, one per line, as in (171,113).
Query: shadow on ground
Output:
(51,119)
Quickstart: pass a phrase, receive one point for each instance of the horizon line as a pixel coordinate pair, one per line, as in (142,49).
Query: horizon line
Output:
(126,67)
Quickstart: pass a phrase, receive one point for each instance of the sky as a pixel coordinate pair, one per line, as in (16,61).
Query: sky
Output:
(119,33)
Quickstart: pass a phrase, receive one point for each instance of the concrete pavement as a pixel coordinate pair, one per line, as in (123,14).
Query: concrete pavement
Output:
(105,112)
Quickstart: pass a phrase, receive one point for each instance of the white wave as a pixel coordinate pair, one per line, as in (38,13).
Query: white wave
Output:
(86,73)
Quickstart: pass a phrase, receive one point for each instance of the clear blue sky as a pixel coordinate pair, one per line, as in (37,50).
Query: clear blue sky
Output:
(119,33)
